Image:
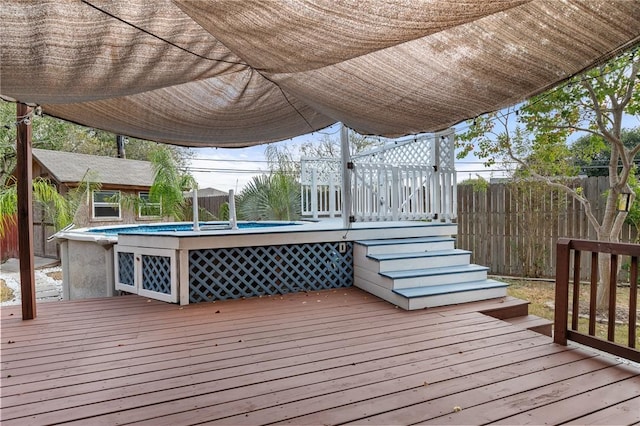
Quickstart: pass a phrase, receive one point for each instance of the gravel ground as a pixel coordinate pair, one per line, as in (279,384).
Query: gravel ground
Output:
(48,285)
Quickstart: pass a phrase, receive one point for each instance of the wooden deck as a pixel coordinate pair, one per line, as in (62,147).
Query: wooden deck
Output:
(340,356)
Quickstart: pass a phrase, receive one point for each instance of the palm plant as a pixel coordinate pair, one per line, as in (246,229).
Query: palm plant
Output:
(168,187)
(56,207)
(272,197)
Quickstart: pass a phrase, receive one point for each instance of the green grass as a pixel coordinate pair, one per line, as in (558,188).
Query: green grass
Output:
(6,293)
(541,295)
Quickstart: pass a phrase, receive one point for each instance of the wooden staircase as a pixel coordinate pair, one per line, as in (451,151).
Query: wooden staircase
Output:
(428,272)
(424,272)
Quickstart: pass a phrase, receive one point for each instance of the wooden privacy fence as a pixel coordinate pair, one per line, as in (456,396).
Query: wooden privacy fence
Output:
(9,241)
(212,204)
(513,227)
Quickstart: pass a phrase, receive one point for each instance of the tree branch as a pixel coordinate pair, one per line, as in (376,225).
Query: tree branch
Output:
(564,188)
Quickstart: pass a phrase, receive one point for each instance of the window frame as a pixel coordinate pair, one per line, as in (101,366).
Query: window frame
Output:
(145,203)
(98,204)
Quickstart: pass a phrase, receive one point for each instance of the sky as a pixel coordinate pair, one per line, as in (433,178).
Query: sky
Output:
(233,168)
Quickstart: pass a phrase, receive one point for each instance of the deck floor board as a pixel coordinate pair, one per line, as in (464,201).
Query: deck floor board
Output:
(329,357)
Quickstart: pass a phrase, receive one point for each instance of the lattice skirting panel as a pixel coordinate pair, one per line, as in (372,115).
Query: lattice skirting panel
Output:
(156,274)
(233,273)
(126,271)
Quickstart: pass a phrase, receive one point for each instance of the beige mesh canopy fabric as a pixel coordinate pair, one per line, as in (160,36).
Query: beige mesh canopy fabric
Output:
(237,73)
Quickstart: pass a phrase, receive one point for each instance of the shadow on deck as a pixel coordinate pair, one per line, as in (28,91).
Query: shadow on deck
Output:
(329,357)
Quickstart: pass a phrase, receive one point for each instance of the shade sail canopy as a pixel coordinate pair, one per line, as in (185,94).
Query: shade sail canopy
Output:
(238,73)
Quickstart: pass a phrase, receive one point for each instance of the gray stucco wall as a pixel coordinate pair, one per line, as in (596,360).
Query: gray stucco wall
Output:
(88,270)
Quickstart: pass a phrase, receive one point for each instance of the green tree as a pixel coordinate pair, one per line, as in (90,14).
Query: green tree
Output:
(595,103)
(169,184)
(59,135)
(277,196)
(479,184)
(286,159)
(270,197)
(56,207)
(592,154)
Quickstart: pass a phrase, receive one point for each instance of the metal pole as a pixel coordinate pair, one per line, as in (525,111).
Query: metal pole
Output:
(24,173)
(233,220)
(346,176)
(194,204)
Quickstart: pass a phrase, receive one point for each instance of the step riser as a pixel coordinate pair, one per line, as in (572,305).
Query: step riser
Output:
(429,301)
(410,247)
(368,275)
(382,293)
(455,298)
(426,281)
(424,262)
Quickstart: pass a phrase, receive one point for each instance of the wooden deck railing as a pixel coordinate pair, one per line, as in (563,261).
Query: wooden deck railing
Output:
(562,331)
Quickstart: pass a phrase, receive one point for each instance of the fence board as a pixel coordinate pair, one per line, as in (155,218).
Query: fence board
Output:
(514,229)
(212,204)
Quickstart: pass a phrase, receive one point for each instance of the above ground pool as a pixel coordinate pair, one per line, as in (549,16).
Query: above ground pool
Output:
(181,227)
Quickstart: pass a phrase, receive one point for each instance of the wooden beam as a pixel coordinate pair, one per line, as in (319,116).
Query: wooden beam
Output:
(25,210)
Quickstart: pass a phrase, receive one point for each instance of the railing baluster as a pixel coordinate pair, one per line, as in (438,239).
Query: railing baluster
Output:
(576,289)
(613,282)
(633,301)
(593,293)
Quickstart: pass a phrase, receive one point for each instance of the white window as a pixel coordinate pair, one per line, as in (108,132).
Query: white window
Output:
(147,208)
(106,204)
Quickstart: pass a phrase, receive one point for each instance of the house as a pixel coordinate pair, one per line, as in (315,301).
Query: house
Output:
(103,205)
(208,192)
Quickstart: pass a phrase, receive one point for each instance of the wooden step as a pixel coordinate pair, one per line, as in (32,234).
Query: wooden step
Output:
(438,295)
(422,259)
(509,307)
(407,245)
(449,288)
(432,296)
(533,323)
(436,276)
(500,307)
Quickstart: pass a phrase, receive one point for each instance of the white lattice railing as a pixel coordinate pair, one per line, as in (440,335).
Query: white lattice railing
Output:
(408,180)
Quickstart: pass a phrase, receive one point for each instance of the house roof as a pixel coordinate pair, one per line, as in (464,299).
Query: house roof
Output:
(207,192)
(70,167)
(240,73)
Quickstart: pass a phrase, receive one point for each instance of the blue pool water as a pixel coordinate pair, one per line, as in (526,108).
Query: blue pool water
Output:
(182,227)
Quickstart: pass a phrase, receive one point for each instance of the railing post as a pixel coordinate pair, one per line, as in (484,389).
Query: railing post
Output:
(562,292)
(314,193)
(346,176)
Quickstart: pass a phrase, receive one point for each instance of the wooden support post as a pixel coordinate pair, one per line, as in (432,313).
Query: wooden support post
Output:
(24,173)
(562,292)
